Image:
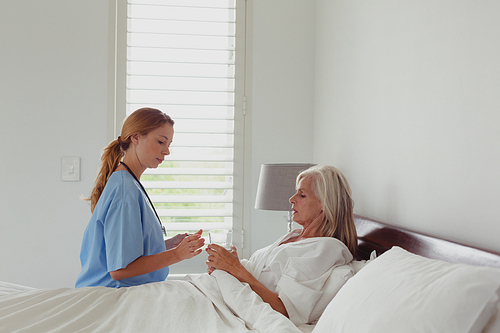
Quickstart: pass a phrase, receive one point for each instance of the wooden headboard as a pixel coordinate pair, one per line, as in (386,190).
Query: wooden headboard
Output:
(379,236)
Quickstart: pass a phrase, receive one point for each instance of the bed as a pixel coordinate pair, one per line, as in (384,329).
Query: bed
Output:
(405,282)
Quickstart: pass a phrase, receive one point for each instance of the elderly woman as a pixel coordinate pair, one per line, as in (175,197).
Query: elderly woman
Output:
(301,272)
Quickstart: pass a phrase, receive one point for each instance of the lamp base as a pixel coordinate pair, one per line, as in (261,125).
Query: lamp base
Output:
(290,221)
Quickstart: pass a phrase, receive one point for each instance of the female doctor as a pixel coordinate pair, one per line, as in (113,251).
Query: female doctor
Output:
(123,244)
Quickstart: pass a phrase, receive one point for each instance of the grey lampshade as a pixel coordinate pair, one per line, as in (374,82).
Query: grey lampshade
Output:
(277,185)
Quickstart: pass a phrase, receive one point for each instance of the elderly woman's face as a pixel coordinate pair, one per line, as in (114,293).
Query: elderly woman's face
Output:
(305,206)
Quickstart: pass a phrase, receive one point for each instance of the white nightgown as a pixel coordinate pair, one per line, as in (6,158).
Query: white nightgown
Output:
(305,274)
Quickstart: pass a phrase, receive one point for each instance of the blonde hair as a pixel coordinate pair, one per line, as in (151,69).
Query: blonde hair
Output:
(333,191)
(141,121)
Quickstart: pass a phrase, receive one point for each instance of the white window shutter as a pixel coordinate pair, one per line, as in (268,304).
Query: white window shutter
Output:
(181,60)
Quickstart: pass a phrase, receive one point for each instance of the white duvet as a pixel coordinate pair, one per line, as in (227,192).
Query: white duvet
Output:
(205,303)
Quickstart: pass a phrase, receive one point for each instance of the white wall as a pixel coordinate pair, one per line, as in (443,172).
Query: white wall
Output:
(281,98)
(53,103)
(408,106)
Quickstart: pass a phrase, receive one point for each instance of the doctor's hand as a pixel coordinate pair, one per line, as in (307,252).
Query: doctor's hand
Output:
(220,258)
(190,246)
(172,242)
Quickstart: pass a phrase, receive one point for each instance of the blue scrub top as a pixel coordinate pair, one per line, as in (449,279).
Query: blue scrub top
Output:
(122,228)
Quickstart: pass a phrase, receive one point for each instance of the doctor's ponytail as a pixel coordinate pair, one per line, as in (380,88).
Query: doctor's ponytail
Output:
(110,159)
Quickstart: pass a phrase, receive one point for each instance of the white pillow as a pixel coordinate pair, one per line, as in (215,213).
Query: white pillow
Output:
(402,292)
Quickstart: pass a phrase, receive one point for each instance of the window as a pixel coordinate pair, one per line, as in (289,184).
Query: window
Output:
(185,58)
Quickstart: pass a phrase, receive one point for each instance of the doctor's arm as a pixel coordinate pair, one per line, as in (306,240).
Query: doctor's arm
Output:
(189,247)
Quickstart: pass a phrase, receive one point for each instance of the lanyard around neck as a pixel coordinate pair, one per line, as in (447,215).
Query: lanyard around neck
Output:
(147,196)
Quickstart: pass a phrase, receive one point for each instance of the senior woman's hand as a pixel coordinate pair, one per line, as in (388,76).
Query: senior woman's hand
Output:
(220,258)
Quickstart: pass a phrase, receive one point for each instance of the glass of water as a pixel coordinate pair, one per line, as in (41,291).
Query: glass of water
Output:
(222,237)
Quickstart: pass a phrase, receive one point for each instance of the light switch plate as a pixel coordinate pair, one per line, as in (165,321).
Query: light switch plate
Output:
(70,168)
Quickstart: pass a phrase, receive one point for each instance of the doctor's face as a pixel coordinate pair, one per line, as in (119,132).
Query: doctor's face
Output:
(154,146)
(305,205)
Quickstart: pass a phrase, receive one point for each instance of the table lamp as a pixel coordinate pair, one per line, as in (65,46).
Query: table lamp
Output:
(277,185)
